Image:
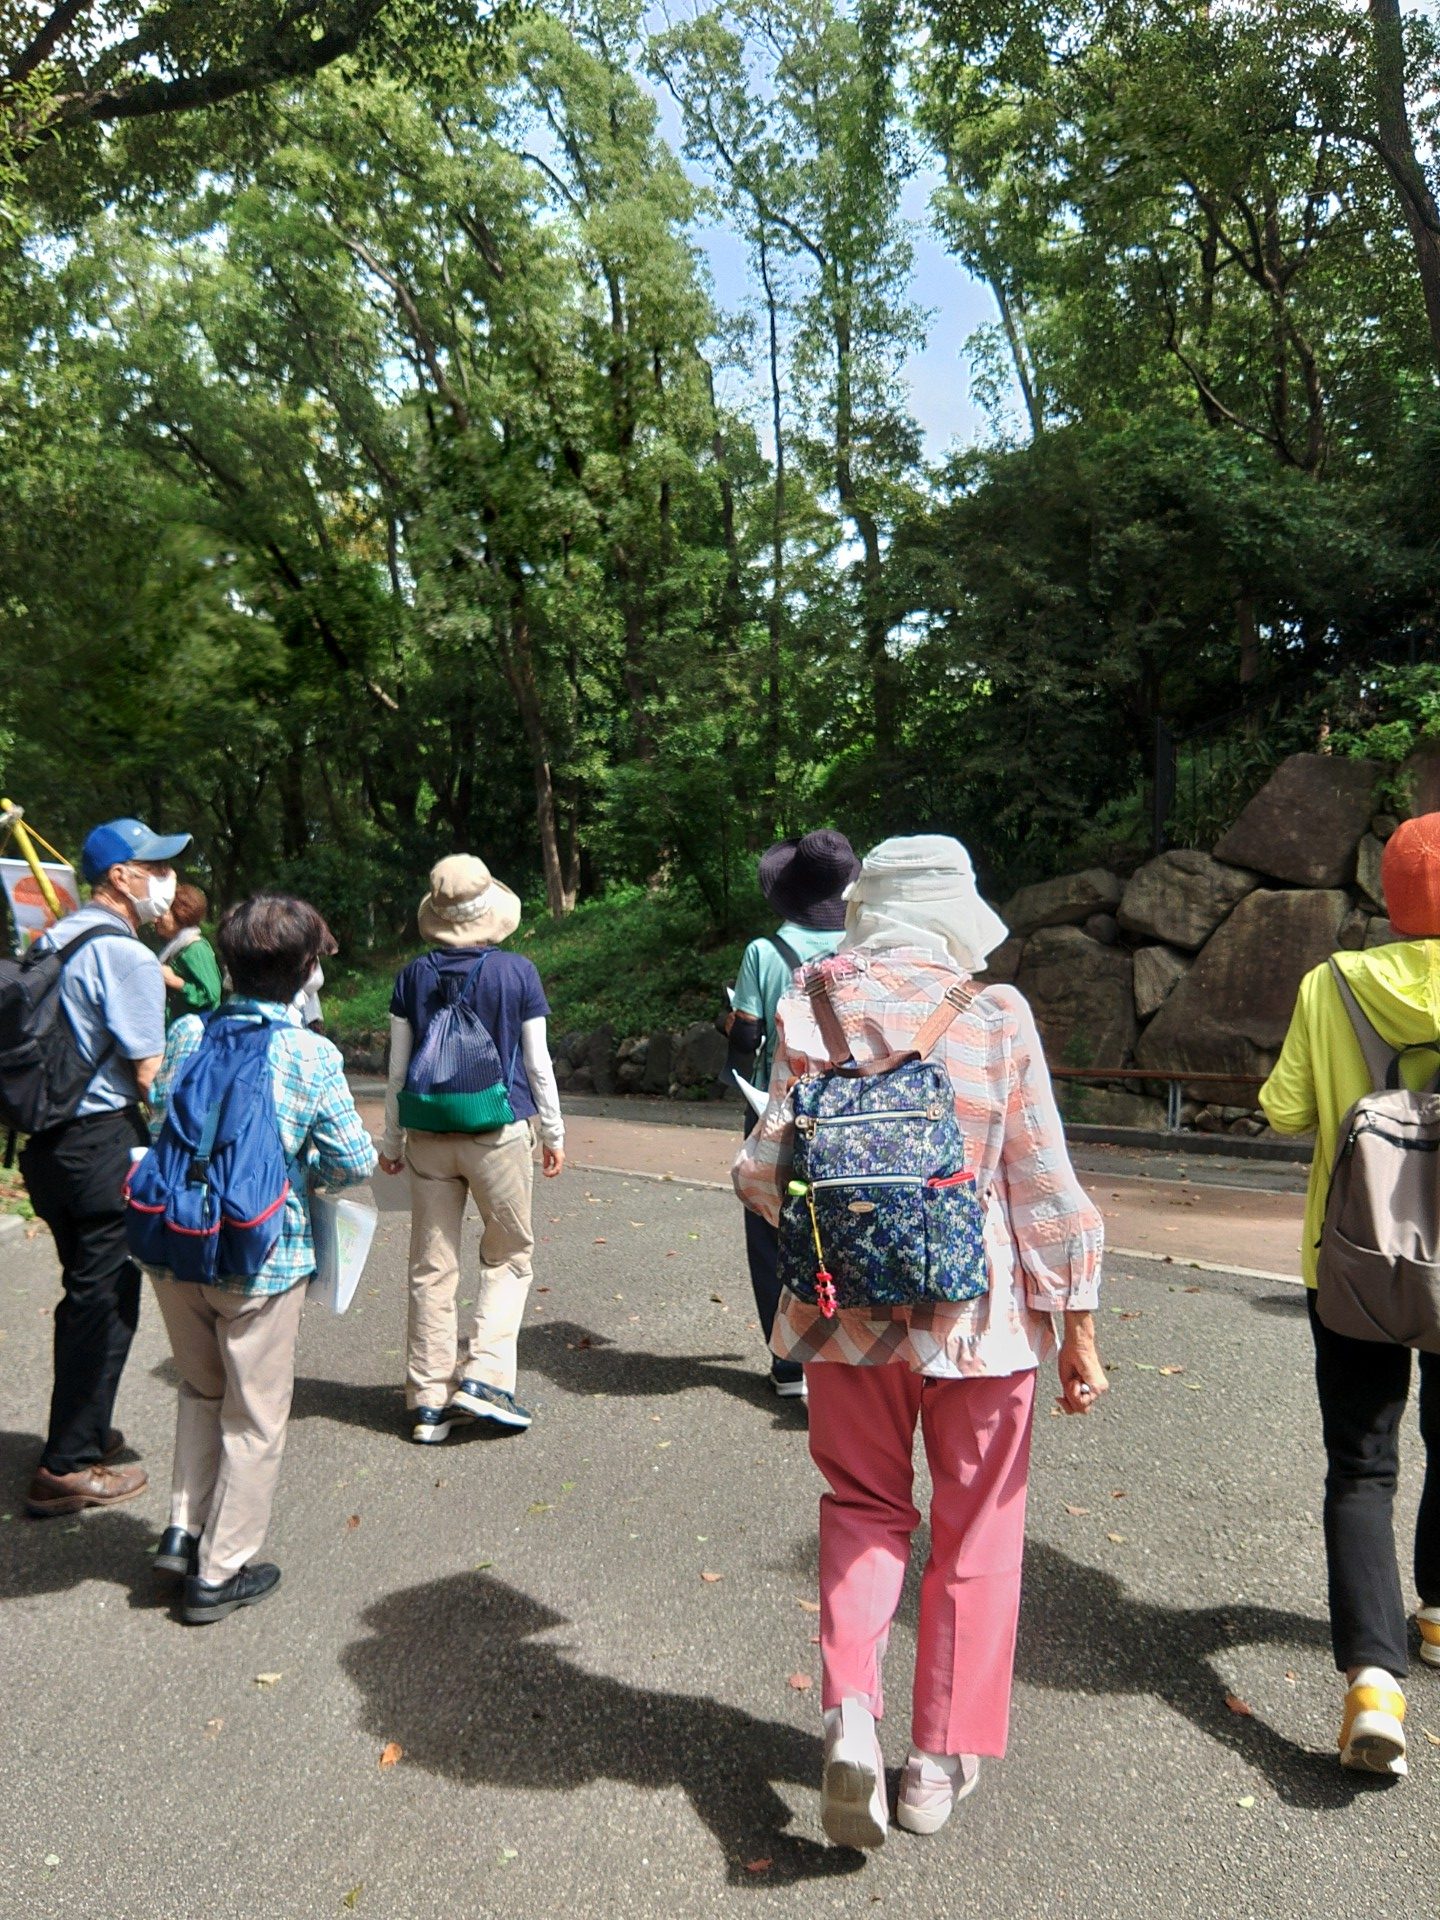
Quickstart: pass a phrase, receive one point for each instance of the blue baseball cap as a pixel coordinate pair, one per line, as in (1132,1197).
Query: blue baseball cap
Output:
(117,841)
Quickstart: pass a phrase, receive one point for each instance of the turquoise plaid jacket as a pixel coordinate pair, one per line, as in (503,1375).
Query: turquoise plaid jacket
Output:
(318,1125)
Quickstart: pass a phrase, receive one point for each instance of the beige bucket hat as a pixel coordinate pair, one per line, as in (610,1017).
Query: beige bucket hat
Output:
(466,906)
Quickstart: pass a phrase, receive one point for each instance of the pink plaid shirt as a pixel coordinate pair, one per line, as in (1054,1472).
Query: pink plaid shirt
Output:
(1043,1235)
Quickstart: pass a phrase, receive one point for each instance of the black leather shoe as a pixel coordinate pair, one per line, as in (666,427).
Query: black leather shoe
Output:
(178,1552)
(204,1602)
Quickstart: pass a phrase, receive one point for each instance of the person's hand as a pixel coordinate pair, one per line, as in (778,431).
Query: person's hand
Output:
(172,979)
(1082,1378)
(553,1161)
(391,1166)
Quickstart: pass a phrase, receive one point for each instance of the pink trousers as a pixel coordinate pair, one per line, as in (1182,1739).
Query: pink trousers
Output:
(977,1441)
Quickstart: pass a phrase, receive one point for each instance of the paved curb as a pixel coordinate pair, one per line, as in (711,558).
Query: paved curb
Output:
(11,1226)
(1233,1146)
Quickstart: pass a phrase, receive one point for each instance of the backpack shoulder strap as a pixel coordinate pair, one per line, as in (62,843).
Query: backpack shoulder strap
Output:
(66,953)
(1378,1054)
(786,952)
(963,994)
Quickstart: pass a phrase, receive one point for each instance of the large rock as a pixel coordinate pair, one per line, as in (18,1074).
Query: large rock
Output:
(1180,898)
(1082,995)
(1066,902)
(1368,855)
(699,1057)
(598,1058)
(1380,933)
(1231,1011)
(1004,963)
(1306,821)
(659,1055)
(1100,1107)
(1158,971)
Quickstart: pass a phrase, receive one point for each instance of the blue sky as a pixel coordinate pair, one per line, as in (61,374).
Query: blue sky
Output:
(938,376)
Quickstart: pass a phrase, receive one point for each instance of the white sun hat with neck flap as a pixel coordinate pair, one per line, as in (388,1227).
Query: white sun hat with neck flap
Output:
(918,890)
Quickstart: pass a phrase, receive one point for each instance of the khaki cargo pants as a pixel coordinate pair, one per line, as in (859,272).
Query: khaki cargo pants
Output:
(446,1169)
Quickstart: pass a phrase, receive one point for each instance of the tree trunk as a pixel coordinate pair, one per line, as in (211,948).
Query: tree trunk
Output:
(774,707)
(875,627)
(519,665)
(1395,142)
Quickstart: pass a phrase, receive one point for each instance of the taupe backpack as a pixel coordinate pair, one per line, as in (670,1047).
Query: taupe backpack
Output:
(1379,1269)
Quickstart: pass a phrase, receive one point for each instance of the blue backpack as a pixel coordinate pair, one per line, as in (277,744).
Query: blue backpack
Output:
(455,1083)
(207,1200)
(881,1210)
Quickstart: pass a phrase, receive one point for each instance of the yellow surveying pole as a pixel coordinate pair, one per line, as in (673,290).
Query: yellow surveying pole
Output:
(13,818)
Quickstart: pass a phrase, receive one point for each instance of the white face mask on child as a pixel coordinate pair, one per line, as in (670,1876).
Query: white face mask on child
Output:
(314,981)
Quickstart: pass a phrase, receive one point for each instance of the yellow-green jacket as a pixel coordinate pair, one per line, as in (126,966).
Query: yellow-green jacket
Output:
(1320,1073)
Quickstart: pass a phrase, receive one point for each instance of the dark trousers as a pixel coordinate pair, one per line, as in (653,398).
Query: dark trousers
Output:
(75,1176)
(1363,1386)
(762,1250)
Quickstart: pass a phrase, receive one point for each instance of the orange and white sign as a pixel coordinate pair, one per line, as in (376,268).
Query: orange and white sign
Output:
(29,914)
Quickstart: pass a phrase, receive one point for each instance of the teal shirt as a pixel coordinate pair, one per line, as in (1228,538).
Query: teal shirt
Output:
(764,979)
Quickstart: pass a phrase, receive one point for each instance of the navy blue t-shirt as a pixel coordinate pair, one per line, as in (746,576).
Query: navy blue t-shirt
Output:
(506,993)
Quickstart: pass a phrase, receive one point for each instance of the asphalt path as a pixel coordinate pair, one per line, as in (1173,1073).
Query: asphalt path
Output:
(589,1725)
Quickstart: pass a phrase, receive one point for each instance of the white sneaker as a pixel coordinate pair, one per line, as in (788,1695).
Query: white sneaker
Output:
(1372,1739)
(1428,1621)
(853,1811)
(790,1389)
(931,1787)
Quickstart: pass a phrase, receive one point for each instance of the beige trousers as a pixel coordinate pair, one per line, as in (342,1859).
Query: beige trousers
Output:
(236,1357)
(446,1169)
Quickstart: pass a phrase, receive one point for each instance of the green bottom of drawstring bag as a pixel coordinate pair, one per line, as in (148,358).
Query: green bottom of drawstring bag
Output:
(483,1112)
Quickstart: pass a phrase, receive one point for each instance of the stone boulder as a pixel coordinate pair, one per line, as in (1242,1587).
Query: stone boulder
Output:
(1004,963)
(1368,855)
(1158,970)
(1066,902)
(1105,928)
(1305,823)
(1231,1011)
(699,1057)
(1082,995)
(659,1054)
(1380,933)
(1354,927)
(598,1059)
(1179,898)
(1100,1107)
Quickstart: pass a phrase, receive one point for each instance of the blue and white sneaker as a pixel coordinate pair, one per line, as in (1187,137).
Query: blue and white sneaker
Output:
(430,1425)
(484,1402)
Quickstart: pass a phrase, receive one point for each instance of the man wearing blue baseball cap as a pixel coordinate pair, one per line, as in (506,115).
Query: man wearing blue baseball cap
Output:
(113,993)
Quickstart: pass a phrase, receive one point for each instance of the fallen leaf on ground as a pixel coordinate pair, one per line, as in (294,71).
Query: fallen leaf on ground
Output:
(711,1578)
(1246,1800)
(52,1859)
(718,1298)
(508,1854)
(1193,1386)
(1169,1370)
(1433,1738)
(1237,1705)
(542,1506)
(352,1898)
(1290,1675)
(801,1682)
(1118,1538)
(808,1606)
(390,1753)
(600,1243)
(212,1727)
(1077,1513)
(758,1866)
(1192,1289)
(1143,1366)
(267,1679)
(352,1523)
(1117,1493)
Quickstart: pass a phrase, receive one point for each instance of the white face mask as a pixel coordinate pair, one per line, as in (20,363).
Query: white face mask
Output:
(314,981)
(157,899)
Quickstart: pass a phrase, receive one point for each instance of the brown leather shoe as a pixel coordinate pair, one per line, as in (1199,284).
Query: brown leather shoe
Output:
(95,1486)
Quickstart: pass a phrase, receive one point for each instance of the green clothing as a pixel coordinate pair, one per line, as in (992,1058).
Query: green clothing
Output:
(1321,1073)
(764,979)
(203,989)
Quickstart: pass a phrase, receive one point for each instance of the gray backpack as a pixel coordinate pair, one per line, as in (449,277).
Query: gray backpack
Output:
(1379,1269)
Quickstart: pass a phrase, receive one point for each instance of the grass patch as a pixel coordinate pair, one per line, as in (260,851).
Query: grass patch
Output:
(636,959)
(13,1197)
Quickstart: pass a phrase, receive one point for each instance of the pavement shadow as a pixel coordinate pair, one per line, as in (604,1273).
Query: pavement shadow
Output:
(563,1727)
(579,1360)
(54,1555)
(1082,1630)
(1289,1305)
(379,1409)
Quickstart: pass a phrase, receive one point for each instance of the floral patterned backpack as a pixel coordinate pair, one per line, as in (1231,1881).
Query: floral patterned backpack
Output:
(881,1210)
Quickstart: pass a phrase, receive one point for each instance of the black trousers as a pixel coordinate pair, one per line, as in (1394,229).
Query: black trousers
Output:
(75,1176)
(762,1250)
(1363,1387)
